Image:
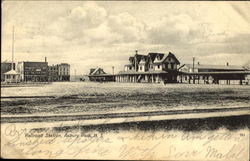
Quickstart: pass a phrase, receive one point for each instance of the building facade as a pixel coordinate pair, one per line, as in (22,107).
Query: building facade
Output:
(53,73)
(33,71)
(5,67)
(151,68)
(63,72)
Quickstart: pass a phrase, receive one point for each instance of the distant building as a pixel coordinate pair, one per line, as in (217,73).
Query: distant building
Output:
(53,73)
(152,68)
(33,71)
(5,67)
(63,72)
(98,75)
(12,76)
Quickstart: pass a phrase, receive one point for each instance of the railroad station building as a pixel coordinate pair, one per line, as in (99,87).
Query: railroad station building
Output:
(151,68)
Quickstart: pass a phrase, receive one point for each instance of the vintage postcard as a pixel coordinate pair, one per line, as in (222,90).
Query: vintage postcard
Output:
(125,80)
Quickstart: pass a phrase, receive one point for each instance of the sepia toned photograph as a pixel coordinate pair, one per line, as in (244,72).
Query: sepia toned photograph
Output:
(125,80)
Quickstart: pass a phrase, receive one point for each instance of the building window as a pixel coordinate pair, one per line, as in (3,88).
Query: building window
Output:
(140,67)
(158,66)
(166,65)
(172,66)
(130,68)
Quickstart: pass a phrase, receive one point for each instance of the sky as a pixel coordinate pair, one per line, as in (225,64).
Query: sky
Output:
(89,34)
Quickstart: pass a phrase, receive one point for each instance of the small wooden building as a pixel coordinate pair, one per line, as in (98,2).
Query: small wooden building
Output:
(12,76)
(98,75)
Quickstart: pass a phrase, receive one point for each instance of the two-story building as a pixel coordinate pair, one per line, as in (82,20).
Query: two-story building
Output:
(153,68)
(53,73)
(33,71)
(63,72)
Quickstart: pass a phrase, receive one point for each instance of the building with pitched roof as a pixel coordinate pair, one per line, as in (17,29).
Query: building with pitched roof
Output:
(12,76)
(153,68)
(5,67)
(99,75)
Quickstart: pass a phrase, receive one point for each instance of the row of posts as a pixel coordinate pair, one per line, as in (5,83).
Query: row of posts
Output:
(196,79)
(138,78)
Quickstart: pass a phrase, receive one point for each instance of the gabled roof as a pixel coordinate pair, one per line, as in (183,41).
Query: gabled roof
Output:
(96,70)
(171,55)
(91,70)
(164,57)
(152,56)
(11,72)
(143,61)
(137,57)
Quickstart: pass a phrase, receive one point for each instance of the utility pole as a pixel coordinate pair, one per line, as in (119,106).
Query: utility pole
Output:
(113,69)
(193,71)
(193,63)
(136,51)
(12,61)
(75,75)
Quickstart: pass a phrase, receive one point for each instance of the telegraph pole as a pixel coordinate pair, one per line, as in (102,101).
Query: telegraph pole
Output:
(193,63)
(136,51)
(113,69)
(193,71)
(12,62)
(75,75)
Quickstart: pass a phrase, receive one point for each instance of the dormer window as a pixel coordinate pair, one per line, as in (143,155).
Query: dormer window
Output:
(158,66)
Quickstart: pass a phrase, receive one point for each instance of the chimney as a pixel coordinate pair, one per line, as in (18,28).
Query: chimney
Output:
(45,59)
(136,52)
(227,64)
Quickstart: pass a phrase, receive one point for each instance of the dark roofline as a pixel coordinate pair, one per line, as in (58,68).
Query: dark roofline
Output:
(172,55)
(221,67)
(229,72)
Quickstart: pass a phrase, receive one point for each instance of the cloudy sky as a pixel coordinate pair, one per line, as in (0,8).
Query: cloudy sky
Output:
(105,34)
